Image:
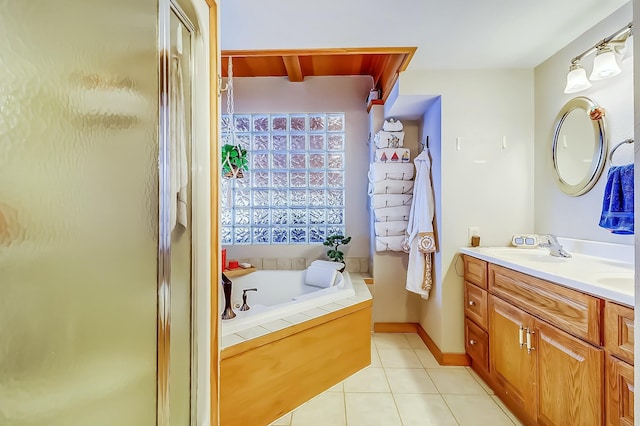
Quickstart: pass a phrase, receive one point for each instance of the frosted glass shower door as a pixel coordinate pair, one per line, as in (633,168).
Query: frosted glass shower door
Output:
(78,212)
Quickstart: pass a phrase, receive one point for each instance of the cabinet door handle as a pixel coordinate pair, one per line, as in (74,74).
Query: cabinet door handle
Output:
(521,336)
(472,342)
(472,303)
(529,347)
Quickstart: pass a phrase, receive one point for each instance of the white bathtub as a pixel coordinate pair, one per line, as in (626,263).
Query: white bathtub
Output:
(280,294)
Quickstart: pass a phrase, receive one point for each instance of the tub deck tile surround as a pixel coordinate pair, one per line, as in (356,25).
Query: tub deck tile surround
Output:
(253,332)
(332,307)
(362,295)
(276,325)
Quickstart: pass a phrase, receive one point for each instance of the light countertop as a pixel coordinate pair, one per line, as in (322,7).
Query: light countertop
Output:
(592,271)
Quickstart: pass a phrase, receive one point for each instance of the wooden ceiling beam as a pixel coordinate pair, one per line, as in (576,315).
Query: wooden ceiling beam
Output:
(383,64)
(294,70)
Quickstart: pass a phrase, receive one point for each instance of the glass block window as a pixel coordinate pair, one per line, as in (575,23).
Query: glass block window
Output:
(293,192)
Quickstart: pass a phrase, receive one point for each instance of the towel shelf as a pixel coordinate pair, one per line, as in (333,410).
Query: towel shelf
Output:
(630,140)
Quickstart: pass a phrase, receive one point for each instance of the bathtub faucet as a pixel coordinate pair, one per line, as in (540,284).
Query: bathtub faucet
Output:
(551,242)
(226,286)
(244,306)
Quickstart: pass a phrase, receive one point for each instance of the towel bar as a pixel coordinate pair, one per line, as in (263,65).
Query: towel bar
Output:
(630,140)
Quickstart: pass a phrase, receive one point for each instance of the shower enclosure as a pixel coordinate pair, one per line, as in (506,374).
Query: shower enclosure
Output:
(95,213)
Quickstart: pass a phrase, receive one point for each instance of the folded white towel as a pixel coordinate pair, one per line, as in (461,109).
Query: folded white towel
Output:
(328,264)
(392,125)
(382,171)
(384,139)
(390,186)
(389,243)
(389,229)
(379,201)
(389,214)
(392,155)
(320,276)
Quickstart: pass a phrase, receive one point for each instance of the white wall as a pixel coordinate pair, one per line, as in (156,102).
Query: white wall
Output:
(556,212)
(481,184)
(316,94)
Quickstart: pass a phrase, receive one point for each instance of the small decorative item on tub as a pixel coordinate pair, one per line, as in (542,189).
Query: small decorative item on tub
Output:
(335,241)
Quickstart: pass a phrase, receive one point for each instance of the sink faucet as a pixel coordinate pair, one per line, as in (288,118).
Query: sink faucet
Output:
(244,306)
(551,242)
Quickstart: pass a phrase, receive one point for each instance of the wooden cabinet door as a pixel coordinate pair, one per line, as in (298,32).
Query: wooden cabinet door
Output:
(619,331)
(619,393)
(509,363)
(570,379)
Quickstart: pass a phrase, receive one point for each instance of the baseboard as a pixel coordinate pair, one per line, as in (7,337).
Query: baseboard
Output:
(449,359)
(395,327)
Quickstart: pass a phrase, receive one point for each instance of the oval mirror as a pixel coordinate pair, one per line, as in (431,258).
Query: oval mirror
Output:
(579,146)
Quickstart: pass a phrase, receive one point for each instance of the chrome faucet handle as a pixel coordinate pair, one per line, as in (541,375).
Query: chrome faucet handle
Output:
(555,248)
(549,240)
(244,306)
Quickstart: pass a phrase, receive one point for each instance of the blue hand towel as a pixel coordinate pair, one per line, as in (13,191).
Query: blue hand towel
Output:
(617,205)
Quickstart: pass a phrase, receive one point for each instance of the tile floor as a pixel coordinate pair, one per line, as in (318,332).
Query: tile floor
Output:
(404,385)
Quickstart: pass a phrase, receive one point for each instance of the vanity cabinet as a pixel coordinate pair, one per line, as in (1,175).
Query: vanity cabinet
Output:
(547,356)
(549,374)
(476,322)
(619,343)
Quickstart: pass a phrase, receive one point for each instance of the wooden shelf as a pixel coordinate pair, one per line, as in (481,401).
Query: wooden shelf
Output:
(236,272)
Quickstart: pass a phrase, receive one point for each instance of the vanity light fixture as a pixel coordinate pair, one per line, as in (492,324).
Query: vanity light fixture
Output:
(608,52)
(605,64)
(576,79)
(627,52)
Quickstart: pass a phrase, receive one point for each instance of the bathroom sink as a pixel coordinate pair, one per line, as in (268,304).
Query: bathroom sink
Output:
(618,279)
(524,255)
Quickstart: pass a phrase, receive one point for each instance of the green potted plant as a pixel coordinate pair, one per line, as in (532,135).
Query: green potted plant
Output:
(234,160)
(335,241)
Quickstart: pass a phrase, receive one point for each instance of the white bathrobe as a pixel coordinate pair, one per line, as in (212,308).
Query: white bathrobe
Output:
(420,240)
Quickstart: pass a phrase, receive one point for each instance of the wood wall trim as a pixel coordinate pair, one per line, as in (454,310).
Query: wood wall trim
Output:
(443,358)
(214,160)
(395,327)
(326,51)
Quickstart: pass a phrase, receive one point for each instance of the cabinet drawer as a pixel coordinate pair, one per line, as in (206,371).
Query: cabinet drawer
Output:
(476,343)
(569,310)
(620,393)
(618,331)
(475,271)
(475,304)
